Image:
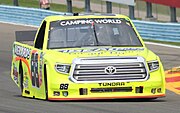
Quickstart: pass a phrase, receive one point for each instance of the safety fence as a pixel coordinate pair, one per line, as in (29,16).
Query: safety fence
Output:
(148,30)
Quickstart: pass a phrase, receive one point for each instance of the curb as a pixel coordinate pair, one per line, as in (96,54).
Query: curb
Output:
(173,79)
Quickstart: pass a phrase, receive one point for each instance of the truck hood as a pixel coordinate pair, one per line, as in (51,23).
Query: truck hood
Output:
(67,55)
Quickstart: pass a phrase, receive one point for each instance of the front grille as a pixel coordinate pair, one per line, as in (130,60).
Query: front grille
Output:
(109,69)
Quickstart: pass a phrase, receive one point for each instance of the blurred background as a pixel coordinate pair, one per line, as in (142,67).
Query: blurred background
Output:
(150,10)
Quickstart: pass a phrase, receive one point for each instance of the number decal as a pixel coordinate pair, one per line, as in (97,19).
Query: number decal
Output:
(64,86)
(34,69)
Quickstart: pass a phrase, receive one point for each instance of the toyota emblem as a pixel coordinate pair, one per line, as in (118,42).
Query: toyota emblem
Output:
(110,70)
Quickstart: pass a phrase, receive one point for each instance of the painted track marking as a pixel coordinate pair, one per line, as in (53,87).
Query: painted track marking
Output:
(173,80)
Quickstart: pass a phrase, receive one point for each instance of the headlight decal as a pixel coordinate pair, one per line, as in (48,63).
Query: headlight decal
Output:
(62,68)
(153,65)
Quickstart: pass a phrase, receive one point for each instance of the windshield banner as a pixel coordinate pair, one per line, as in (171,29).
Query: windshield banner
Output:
(90,21)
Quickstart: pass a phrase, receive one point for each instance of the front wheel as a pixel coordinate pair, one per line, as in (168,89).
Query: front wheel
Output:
(21,77)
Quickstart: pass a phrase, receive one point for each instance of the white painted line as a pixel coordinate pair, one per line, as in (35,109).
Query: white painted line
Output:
(19,24)
(165,45)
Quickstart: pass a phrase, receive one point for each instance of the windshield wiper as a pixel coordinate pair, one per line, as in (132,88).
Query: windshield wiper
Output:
(93,25)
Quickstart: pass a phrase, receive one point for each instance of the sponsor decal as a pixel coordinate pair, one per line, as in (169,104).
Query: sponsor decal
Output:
(15,73)
(24,61)
(101,49)
(90,21)
(22,51)
(25,83)
(112,84)
(41,68)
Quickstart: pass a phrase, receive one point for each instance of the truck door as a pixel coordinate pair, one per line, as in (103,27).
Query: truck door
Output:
(37,58)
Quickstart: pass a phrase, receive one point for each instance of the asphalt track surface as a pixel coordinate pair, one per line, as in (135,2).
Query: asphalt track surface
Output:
(12,102)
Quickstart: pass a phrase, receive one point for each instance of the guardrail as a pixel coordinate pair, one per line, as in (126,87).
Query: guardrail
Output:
(148,30)
(158,31)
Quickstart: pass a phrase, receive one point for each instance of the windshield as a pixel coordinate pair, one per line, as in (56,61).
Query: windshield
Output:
(92,32)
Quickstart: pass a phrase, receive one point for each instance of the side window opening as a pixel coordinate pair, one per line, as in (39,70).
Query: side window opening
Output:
(40,36)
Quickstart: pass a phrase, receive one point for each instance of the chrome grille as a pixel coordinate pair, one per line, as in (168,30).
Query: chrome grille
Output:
(125,69)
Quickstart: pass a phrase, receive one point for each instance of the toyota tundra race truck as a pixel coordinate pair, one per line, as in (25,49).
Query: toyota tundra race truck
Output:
(86,57)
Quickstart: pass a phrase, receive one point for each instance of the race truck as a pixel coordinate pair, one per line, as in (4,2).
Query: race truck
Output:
(84,57)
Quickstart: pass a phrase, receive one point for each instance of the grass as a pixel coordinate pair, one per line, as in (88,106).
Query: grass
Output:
(35,4)
(163,42)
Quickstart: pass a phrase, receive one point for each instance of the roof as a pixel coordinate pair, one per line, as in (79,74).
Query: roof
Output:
(83,16)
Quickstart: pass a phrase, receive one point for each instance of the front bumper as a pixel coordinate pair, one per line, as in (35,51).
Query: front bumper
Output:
(104,98)
(118,90)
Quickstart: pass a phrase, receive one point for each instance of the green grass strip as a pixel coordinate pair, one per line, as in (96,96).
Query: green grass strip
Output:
(35,4)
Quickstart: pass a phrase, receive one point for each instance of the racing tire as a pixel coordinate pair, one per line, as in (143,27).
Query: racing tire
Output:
(45,83)
(21,77)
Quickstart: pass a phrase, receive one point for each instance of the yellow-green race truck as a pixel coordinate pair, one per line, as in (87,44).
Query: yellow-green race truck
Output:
(86,57)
